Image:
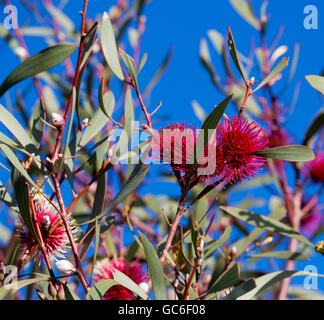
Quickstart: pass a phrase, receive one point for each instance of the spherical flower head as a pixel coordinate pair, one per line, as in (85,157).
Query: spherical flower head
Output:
(104,269)
(52,229)
(317,168)
(174,145)
(239,139)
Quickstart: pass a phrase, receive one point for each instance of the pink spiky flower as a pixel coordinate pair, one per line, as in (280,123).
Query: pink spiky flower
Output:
(239,139)
(104,270)
(175,145)
(52,229)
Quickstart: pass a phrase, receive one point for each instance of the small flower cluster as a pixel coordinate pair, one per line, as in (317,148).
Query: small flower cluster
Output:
(52,230)
(229,155)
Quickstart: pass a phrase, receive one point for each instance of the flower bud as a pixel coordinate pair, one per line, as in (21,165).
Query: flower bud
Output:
(60,293)
(57,120)
(51,290)
(64,267)
(21,53)
(41,295)
(144,286)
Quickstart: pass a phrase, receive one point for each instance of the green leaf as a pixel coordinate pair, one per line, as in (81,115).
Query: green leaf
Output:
(242,244)
(128,283)
(98,291)
(217,40)
(233,52)
(293,153)
(244,9)
(13,125)
(155,269)
(280,66)
(226,279)
(22,196)
(40,62)
(287,255)
(61,18)
(104,101)
(212,246)
(314,127)
(265,222)
(17,285)
(317,82)
(210,123)
(69,293)
(109,47)
(269,279)
(130,64)
(38,124)
(142,63)
(16,163)
(198,110)
(240,290)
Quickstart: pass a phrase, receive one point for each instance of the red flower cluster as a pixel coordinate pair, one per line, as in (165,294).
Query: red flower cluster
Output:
(52,229)
(104,270)
(227,157)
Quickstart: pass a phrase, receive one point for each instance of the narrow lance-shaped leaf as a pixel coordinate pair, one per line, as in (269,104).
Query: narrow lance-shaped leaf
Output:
(109,47)
(266,223)
(233,52)
(287,255)
(210,123)
(98,290)
(155,269)
(280,66)
(128,283)
(294,153)
(227,279)
(317,82)
(40,62)
(244,9)
(269,279)
(130,64)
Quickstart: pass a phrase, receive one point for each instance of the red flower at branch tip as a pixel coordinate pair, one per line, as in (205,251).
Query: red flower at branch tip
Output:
(104,270)
(52,229)
(239,139)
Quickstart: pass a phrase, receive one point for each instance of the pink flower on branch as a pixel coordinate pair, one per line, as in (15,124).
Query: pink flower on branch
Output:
(134,270)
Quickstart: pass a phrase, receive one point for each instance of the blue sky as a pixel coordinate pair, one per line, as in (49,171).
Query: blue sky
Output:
(182,24)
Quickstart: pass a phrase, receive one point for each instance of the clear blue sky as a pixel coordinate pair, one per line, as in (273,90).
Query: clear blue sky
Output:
(183,24)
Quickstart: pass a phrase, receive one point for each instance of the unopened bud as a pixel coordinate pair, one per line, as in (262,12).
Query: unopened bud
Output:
(144,286)
(41,295)
(57,120)
(51,290)
(85,122)
(64,267)
(233,252)
(21,53)
(60,293)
